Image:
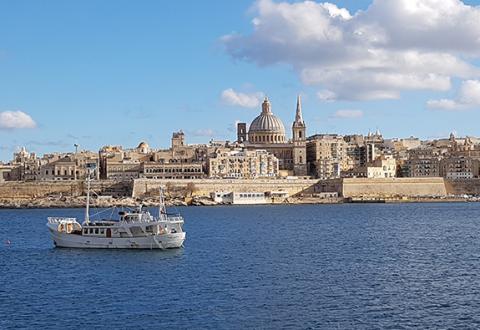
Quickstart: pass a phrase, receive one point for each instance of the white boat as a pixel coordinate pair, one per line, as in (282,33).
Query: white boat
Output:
(137,229)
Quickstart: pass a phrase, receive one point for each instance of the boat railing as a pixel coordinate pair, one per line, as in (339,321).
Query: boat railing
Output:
(60,219)
(174,218)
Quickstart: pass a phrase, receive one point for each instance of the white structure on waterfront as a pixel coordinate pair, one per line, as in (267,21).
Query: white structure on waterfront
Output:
(239,197)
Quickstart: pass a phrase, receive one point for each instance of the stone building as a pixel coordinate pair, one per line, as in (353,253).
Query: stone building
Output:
(382,167)
(327,155)
(356,151)
(122,165)
(62,169)
(422,162)
(26,166)
(459,168)
(86,161)
(241,132)
(6,172)
(156,170)
(267,132)
(423,167)
(246,164)
(180,161)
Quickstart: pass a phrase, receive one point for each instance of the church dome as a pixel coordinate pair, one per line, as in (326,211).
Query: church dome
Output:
(143,147)
(268,123)
(266,127)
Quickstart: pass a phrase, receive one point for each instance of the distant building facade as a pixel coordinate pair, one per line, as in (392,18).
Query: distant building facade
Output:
(327,155)
(246,164)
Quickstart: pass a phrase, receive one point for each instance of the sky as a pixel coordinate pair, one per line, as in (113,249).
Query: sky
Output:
(117,72)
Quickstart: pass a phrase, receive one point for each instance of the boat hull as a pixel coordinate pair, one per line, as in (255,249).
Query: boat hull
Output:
(165,241)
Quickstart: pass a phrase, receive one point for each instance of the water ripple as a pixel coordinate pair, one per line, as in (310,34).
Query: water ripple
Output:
(327,266)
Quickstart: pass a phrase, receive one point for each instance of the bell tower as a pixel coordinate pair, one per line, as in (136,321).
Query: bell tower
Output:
(299,142)
(298,126)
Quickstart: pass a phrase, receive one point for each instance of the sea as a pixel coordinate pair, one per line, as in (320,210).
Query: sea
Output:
(346,266)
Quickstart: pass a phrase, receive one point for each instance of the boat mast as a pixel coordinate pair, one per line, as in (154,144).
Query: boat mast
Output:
(87,208)
(161,207)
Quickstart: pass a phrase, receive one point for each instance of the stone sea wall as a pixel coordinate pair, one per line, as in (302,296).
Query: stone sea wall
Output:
(405,187)
(461,187)
(28,190)
(203,187)
(182,190)
(25,190)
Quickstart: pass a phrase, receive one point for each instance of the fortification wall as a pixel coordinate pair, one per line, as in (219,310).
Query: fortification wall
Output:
(28,190)
(461,187)
(408,187)
(203,187)
(378,188)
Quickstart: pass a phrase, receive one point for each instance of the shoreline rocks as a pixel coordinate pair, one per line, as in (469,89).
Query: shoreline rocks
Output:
(108,202)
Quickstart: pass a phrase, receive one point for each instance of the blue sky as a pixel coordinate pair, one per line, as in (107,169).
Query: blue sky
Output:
(118,72)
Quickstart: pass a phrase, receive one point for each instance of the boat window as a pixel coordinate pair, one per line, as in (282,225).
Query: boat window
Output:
(96,230)
(85,231)
(91,230)
(102,231)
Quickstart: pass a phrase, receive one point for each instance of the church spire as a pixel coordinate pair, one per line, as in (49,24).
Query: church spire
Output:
(298,114)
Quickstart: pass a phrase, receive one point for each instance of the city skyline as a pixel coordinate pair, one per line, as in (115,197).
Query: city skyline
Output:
(116,73)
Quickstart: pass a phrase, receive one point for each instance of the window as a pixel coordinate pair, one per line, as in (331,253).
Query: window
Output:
(96,230)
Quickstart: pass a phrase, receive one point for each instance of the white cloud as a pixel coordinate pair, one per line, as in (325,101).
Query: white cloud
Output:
(348,113)
(468,96)
(326,95)
(374,54)
(244,100)
(16,119)
(443,104)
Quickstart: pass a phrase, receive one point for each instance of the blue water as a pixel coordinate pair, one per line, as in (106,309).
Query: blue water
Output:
(327,266)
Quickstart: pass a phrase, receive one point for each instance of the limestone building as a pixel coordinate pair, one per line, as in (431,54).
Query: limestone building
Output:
(327,155)
(267,132)
(240,164)
(459,168)
(382,167)
(61,169)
